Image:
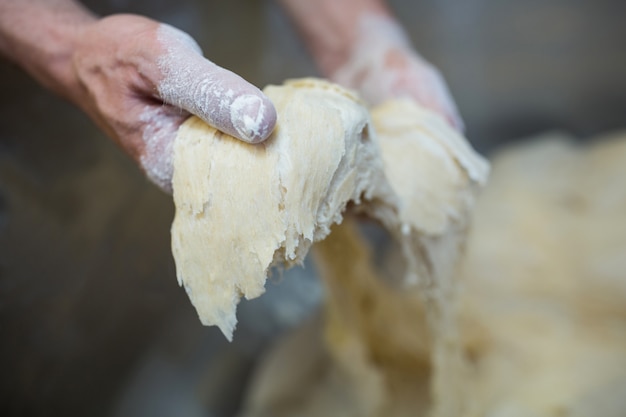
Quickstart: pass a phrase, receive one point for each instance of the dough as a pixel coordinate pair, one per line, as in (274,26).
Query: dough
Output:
(242,208)
(545,281)
(392,346)
(542,308)
(436,176)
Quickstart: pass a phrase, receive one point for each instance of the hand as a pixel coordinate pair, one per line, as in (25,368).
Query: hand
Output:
(382,64)
(358,43)
(138,79)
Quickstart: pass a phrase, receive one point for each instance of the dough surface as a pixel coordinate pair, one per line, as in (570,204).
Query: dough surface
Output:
(241,208)
(391,344)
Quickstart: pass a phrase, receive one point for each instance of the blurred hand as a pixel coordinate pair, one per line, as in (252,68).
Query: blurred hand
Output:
(139,80)
(360,45)
(381,64)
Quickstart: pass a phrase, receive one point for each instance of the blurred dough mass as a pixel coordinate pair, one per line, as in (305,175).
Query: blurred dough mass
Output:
(240,208)
(542,301)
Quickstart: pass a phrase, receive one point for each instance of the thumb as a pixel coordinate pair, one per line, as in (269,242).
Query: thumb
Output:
(218,96)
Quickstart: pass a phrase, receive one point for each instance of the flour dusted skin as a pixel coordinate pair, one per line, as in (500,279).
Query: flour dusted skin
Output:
(242,208)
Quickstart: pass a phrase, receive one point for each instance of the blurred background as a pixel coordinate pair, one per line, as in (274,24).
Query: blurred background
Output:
(92,321)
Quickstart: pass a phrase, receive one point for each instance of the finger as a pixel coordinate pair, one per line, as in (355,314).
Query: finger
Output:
(432,92)
(216,95)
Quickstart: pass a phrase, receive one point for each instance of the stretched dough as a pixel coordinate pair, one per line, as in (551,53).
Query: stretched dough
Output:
(389,349)
(242,208)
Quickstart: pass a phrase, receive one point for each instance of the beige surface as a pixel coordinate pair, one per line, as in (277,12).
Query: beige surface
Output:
(546,283)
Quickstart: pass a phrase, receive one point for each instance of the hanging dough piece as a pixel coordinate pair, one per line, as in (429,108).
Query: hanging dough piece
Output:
(388,348)
(544,278)
(436,176)
(242,208)
(543,307)
(431,167)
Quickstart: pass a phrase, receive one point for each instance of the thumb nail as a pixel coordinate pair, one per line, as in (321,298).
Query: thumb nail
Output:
(253,117)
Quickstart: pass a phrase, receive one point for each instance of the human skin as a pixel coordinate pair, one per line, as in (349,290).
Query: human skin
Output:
(139,80)
(361,45)
(136,78)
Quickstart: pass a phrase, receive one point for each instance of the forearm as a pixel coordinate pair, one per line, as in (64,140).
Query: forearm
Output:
(40,36)
(330,28)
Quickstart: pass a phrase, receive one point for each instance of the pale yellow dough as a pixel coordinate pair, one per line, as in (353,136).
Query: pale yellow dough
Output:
(241,208)
(388,350)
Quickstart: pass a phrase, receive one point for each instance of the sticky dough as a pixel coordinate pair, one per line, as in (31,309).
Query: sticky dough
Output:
(242,208)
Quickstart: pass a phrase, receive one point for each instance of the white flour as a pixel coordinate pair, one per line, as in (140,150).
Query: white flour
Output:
(216,95)
(247,115)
